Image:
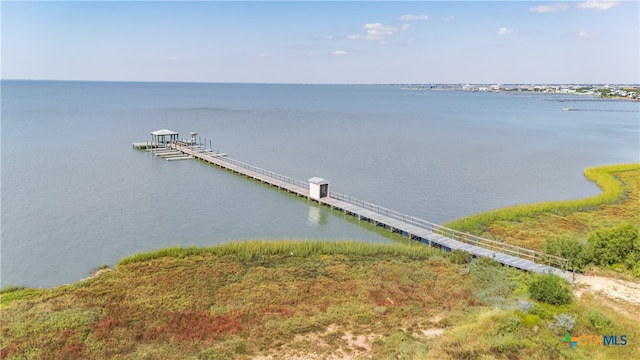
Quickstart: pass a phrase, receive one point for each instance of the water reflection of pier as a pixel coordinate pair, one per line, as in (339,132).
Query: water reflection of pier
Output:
(317,189)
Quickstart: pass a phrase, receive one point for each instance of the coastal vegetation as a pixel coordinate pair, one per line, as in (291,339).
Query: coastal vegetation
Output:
(549,289)
(612,191)
(312,300)
(351,300)
(574,229)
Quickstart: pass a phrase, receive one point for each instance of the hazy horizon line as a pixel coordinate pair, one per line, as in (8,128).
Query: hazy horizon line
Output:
(314,83)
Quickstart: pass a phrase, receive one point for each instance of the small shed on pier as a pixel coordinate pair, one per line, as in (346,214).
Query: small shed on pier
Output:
(318,188)
(162,137)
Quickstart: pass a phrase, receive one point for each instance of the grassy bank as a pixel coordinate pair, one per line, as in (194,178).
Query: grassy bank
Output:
(531,225)
(257,250)
(311,300)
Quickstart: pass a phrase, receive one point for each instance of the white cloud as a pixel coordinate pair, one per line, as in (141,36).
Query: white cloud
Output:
(377,31)
(340,52)
(448,18)
(505,31)
(173,58)
(363,37)
(599,5)
(541,9)
(413,17)
(586,35)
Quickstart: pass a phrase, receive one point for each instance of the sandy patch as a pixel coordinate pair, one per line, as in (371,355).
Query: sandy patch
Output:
(353,347)
(436,318)
(97,274)
(360,343)
(613,288)
(433,332)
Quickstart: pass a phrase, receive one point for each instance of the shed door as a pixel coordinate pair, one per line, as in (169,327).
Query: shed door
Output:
(324,190)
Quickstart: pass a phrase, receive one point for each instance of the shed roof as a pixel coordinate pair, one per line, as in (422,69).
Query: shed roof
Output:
(318,181)
(164,132)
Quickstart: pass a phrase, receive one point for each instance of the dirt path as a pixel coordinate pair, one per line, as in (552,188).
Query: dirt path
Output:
(612,288)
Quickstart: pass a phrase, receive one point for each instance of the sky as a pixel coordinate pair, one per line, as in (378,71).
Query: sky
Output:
(498,42)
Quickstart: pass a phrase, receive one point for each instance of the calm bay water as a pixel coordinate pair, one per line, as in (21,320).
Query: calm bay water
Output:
(75,195)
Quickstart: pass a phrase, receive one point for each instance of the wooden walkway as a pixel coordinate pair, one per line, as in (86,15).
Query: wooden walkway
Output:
(409,226)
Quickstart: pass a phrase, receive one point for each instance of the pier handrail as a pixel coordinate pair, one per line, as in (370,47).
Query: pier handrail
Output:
(517,251)
(271,174)
(246,166)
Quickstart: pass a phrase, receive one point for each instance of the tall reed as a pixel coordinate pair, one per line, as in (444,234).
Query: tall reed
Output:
(248,250)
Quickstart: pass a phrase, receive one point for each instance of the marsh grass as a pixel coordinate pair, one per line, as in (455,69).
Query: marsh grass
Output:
(12,293)
(239,301)
(10,289)
(256,250)
(565,234)
(603,176)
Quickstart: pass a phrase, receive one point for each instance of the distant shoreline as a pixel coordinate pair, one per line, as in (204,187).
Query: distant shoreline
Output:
(417,86)
(606,92)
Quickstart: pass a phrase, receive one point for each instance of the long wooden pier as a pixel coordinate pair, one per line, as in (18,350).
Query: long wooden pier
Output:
(414,228)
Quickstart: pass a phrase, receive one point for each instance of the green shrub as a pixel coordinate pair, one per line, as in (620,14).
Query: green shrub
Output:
(508,325)
(617,268)
(529,320)
(541,311)
(460,257)
(616,248)
(636,270)
(600,322)
(615,245)
(487,262)
(550,289)
(568,248)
